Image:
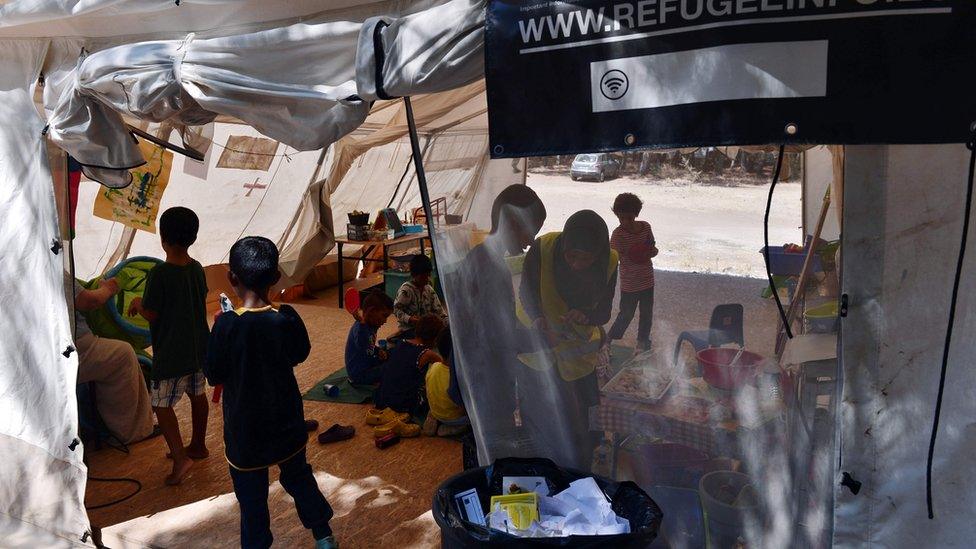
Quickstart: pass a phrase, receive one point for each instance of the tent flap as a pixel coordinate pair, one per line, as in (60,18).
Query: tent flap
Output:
(42,478)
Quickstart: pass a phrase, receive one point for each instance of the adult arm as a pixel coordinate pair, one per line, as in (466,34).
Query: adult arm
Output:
(89,300)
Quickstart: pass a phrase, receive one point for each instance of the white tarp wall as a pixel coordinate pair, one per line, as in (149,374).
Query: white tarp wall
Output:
(229,201)
(42,478)
(902,226)
(818,174)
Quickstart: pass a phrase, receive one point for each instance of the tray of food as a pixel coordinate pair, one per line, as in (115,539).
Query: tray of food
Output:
(639,382)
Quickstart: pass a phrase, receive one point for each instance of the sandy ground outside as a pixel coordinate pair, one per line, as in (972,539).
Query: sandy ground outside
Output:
(710,228)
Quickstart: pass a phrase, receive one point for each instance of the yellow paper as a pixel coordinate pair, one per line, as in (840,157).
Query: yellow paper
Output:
(137,205)
(521,508)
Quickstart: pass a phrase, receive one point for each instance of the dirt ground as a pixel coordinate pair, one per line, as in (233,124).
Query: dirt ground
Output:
(708,228)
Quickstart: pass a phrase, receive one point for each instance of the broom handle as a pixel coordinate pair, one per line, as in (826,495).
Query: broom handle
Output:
(804,274)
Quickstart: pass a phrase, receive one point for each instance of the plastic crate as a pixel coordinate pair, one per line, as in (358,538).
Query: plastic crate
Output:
(784,264)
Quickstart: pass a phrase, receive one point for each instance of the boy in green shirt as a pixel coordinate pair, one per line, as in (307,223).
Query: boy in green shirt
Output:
(175,304)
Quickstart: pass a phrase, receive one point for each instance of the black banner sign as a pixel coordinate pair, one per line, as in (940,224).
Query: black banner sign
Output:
(596,75)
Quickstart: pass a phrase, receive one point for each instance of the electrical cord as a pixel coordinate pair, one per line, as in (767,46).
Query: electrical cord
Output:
(117,501)
(971,145)
(769,273)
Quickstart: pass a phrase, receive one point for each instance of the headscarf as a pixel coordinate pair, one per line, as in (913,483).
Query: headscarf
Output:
(584,230)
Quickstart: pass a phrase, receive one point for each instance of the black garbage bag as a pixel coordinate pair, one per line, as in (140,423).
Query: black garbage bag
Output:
(626,499)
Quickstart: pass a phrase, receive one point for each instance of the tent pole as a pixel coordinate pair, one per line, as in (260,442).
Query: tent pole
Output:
(418,162)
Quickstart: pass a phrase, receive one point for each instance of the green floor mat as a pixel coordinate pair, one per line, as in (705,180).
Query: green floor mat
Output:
(348,393)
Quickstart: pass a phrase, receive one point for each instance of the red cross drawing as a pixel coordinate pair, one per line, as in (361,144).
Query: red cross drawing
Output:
(256,185)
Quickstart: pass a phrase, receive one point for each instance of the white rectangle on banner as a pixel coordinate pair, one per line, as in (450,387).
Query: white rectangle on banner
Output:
(770,70)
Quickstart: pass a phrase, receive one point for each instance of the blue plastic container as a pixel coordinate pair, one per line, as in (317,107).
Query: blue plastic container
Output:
(784,264)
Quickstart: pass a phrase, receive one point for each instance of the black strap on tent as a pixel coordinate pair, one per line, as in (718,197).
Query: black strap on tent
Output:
(769,274)
(379,58)
(418,161)
(952,318)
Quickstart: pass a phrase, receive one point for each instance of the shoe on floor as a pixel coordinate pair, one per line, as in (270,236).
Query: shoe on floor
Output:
(327,543)
(384,416)
(399,428)
(311,425)
(430,426)
(337,433)
(444,430)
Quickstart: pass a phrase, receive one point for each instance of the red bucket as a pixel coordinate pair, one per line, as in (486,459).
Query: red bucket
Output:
(715,362)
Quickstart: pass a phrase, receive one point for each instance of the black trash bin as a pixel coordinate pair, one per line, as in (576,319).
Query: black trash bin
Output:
(627,500)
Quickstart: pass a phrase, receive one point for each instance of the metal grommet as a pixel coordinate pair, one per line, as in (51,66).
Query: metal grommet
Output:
(791,129)
(498,149)
(972,127)
(630,139)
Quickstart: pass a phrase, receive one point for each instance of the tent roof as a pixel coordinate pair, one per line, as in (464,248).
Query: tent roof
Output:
(116,18)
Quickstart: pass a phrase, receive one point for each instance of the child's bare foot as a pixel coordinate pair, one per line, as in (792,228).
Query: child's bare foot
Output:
(192,453)
(197,452)
(180,469)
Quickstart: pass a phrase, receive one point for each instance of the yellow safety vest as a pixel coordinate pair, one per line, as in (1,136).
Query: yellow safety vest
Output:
(577,352)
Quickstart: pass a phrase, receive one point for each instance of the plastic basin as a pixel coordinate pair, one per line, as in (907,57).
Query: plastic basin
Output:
(823,319)
(715,367)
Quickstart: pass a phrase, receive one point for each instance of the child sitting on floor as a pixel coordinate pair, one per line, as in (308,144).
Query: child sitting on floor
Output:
(401,393)
(417,298)
(175,304)
(363,358)
(253,352)
(447,417)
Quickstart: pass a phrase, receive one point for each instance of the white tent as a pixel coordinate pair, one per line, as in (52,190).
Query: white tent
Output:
(328,60)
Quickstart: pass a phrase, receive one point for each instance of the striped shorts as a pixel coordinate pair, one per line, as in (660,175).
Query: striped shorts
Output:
(167,392)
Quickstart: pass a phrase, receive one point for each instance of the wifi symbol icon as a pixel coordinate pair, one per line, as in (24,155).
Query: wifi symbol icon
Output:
(614,84)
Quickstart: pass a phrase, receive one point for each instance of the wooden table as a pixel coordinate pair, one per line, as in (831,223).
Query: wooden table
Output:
(367,247)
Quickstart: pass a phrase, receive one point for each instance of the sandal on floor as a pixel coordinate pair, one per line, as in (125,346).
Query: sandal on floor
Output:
(336,433)
(386,415)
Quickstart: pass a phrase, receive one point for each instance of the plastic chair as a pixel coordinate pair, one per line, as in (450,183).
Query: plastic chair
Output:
(725,327)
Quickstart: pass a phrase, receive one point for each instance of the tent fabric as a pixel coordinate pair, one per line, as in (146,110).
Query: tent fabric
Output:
(902,228)
(437,49)
(42,480)
(278,203)
(109,18)
(315,235)
(294,84)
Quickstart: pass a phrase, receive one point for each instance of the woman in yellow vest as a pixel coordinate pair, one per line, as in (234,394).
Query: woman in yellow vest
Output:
(567,289)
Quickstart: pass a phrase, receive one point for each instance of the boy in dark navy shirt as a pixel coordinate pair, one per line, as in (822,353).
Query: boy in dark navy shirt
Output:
(363,358)
(252,352)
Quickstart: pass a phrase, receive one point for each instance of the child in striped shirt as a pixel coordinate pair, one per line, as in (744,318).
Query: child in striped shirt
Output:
(634,242)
